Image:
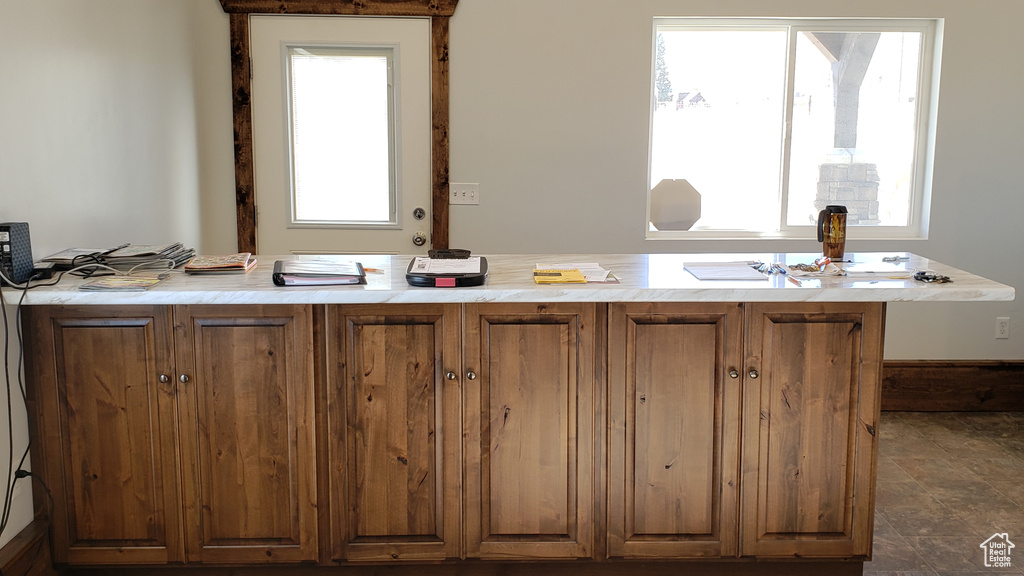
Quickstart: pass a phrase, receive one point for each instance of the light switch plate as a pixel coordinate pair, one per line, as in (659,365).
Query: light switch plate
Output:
(463,193)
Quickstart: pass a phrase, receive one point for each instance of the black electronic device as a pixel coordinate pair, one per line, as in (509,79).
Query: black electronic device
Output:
(15,252)
(465,271)
(449,253)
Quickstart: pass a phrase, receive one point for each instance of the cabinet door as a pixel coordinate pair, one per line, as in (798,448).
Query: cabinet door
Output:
(246,409)
(393,431)
(674,430)
(529,430)
(811,394)
(105,431)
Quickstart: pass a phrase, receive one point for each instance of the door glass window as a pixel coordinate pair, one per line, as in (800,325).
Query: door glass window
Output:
(341,121)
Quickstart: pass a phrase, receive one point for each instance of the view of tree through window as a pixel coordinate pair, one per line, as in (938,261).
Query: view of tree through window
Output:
(771,121)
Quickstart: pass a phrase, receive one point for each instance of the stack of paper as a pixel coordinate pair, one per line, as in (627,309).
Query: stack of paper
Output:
(120,283)
(723,271)
(126,257)
(232,263)
(554,276)
(591,271)
(421,265)
(134,256)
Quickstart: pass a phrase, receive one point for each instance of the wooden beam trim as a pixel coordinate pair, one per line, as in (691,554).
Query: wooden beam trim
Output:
(241,96)
(241,88)
(343,7)
(439,125)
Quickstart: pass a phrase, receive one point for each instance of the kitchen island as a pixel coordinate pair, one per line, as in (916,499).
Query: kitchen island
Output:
(660,424)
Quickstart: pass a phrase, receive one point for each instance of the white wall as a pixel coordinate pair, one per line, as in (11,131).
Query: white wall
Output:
(106,132)
(115,125)
(21,512)
(550,111)
(98,121)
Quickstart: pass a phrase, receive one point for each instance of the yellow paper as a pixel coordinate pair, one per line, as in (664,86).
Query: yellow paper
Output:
(573,276)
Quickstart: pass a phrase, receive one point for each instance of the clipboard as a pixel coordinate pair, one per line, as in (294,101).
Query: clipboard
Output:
(447,272)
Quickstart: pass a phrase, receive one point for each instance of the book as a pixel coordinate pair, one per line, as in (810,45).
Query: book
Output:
(241,262)
(551,276)
(120,283)
(317,273)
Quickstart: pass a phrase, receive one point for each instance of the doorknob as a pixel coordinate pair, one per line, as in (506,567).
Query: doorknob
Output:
(419,239)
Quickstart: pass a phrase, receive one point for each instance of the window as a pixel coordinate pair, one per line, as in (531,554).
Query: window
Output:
(757,124)
(341,116)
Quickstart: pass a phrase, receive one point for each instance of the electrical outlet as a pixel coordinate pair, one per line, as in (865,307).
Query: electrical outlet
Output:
(463,193)
(1003,327)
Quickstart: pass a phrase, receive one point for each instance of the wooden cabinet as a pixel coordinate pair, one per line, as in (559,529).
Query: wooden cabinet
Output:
(407,383)
(529,430)
(793,387)
(247,432)
(393,414)
(809,428)
(105,428)
(673,430)
(431,432)
(230,479)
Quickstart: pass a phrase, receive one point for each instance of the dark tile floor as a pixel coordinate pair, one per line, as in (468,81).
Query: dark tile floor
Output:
(947,482)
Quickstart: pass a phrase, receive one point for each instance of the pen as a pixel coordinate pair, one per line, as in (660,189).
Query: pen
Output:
(793,280)
(373,270)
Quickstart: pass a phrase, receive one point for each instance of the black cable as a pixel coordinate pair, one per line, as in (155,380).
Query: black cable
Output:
(9,491)
(8,488)
(25,473)
(81,265)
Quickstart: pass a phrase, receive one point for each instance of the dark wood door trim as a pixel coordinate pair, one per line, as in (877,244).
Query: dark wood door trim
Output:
(439,12)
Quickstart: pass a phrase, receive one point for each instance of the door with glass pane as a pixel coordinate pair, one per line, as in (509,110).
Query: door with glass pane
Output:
(341,134)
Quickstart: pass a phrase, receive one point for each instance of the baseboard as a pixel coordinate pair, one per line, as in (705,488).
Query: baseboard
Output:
(28,552)
(799,567)
(952,386)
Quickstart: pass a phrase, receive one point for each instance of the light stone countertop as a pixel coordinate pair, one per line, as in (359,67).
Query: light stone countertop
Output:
(642,278)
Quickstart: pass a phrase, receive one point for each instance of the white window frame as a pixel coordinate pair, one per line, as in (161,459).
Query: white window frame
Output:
(927,96)
(391,52)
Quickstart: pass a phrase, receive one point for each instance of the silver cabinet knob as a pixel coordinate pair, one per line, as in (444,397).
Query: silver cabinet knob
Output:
(164,379)
(753,374)
(471,375)
(734,373)
(183,378)
(450,375)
